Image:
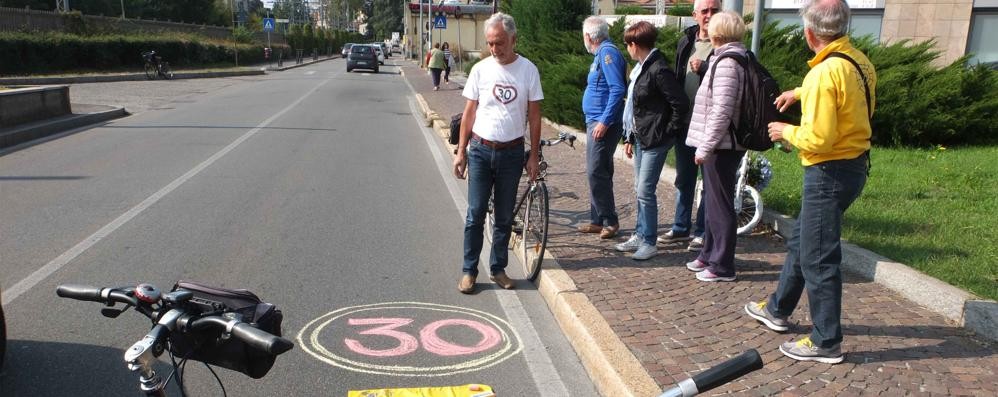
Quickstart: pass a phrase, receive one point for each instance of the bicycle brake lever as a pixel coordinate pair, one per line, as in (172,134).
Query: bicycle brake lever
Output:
(113,313)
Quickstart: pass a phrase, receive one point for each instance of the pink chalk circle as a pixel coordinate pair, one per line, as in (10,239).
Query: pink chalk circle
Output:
(407,343)
(434,344)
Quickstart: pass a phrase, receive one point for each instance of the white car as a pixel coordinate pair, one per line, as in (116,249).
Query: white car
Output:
(381,54)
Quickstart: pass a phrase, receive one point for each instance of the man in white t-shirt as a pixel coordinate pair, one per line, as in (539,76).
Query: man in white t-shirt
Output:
(504,94)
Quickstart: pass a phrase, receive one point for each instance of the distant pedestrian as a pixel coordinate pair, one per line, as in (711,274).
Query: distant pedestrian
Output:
(653,115)
(437,65)
(837,98)
(603,105)
(691,53)
(504,94)
(448,61)
(716,108)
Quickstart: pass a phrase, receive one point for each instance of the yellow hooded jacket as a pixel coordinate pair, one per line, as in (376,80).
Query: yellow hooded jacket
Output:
(834,117)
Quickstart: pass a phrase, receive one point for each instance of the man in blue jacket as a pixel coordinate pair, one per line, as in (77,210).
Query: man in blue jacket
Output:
(603,105)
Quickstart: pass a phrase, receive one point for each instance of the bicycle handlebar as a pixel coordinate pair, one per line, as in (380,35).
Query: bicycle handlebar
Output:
(255,337)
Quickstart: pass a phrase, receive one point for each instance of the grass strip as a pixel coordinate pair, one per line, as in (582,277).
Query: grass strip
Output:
(935,210)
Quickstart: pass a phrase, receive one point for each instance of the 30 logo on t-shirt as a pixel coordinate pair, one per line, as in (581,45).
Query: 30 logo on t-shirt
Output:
(504,93)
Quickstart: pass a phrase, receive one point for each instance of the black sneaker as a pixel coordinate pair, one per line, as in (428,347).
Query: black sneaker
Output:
(672,237)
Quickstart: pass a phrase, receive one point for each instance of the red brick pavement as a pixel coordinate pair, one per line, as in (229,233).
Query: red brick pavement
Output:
(676,326)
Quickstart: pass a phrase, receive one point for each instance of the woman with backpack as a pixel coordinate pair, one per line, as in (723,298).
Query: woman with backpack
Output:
(716,109)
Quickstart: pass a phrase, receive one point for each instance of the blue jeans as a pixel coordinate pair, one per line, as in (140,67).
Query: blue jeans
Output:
(686,183)
(814,253)
(648,165)
(599,168)
(490,170)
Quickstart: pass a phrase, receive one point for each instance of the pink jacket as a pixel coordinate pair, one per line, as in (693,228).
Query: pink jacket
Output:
(714,110)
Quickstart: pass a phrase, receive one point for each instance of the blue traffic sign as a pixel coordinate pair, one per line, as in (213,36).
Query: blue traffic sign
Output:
(440,22)
(268,24)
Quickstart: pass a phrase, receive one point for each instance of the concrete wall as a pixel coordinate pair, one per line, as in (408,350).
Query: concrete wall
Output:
(24,105)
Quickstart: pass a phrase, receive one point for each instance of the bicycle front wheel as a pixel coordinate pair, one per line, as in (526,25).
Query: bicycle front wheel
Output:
(749,213)
(166,71)
(535,230)
(150,71)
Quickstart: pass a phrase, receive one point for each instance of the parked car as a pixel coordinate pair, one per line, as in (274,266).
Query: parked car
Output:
(346,49)
(380,53)
(362,56)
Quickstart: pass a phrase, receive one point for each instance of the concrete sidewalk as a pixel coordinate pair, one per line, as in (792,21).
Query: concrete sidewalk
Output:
(640,327)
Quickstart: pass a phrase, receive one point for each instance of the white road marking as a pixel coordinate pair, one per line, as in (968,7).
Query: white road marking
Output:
(541,367)
(53,266)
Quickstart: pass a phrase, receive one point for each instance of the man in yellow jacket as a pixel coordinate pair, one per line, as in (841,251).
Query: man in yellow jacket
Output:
(837,99)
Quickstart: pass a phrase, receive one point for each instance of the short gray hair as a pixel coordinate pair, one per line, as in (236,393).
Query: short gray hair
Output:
(828,19)
(505,20)
(596,28)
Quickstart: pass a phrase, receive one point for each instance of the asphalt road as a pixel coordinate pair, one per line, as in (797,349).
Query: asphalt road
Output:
(316,189)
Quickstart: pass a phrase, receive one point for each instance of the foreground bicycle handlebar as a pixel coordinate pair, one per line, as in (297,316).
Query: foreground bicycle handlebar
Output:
(170,314)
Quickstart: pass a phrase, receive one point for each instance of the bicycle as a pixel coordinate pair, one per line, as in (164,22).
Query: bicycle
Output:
(530,215)
(748,201)
(156,66)
(205,329)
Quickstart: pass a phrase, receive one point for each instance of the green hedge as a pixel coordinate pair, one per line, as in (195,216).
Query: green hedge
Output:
(918,104)
(39,53)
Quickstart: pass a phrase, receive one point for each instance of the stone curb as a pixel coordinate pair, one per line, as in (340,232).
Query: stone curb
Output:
(33,133)
(615,371)
(120,77)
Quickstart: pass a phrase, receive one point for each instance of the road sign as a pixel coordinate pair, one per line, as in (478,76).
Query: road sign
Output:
(268,24)
(440,22)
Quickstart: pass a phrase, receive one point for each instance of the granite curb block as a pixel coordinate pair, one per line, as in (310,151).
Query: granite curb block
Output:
(613,368)
(43,129)
(283,68)
(615,371)
(959,306)
(120,77)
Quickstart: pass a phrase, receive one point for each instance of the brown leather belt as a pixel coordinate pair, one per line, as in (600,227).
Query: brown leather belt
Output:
(497,145)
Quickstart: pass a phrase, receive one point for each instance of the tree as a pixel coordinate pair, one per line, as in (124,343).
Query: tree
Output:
(386,17)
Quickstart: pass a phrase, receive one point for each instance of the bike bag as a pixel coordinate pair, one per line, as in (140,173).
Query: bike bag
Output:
(213,346)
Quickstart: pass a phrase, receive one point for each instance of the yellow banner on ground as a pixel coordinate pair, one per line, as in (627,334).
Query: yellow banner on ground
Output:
(472,390)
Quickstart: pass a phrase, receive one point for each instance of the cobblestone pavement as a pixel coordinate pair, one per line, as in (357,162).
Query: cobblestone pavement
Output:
(676,326)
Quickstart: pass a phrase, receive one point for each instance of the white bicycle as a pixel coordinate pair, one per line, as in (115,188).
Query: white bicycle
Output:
(748,201)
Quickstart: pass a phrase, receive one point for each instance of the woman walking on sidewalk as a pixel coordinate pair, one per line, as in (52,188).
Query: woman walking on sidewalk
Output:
(653,114)
(437,65)
(448,61)
(716,107)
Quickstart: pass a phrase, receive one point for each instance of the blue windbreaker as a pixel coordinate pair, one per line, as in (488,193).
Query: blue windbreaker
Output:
(606,86)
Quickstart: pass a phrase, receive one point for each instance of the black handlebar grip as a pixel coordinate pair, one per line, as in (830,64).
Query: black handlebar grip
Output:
(727,371)
(260,339)
(80,292)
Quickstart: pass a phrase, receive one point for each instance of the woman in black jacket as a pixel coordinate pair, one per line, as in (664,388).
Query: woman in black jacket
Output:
(655,110)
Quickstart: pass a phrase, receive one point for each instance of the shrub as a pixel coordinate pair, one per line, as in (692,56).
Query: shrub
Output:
(631,10)
(680,10)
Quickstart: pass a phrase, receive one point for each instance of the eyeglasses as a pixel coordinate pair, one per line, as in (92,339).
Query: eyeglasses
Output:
(711,10)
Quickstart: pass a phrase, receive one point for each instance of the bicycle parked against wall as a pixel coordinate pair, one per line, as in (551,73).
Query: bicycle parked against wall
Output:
(748,201)
(156,66)
(530,215)
(228,328)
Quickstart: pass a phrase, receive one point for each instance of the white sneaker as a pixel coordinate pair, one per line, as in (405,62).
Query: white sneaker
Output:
(696,244)
(630,245)
(646,251)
